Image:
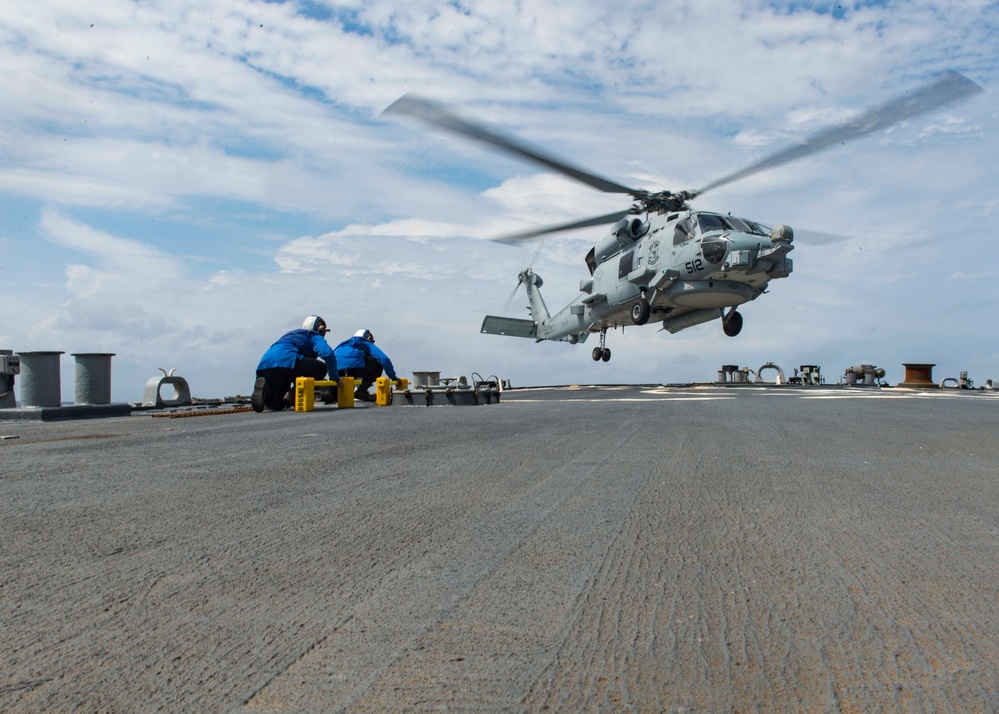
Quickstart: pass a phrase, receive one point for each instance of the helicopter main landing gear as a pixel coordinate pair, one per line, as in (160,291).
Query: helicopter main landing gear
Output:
(732,323)
(601,352)
(641,310)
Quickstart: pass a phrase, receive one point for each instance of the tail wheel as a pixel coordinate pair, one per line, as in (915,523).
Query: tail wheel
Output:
(732,324)
(597,354)
(605,354)
(640,311)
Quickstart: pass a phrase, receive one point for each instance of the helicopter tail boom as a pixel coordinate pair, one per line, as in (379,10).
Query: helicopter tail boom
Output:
(532,282)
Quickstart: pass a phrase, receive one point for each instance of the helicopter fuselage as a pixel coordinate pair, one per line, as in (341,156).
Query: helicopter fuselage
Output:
(682,268)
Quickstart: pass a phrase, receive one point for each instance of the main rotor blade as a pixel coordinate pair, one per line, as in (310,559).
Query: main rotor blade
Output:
(951,87)
(435,114)
(586,223)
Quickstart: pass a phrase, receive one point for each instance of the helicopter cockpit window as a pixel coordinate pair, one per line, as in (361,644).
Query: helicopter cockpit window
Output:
(746,226)
(712,222)
(682,232)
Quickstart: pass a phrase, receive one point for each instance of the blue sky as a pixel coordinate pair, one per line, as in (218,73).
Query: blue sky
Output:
(181,182)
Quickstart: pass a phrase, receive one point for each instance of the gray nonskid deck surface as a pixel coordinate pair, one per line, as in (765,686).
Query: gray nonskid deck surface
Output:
(590,549)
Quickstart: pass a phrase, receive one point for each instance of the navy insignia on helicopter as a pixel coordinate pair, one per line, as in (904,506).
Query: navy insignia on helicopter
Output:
(654,252)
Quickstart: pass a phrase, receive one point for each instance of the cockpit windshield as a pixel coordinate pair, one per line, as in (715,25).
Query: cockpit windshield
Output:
(712,222)
(746,226)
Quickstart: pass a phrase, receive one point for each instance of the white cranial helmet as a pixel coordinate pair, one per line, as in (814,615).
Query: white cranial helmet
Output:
(314,323)
(365,334)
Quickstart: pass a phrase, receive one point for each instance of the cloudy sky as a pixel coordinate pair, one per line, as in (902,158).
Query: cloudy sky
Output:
(181,182)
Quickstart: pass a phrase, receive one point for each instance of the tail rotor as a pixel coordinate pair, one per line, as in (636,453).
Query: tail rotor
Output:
(522,278)
(513,293)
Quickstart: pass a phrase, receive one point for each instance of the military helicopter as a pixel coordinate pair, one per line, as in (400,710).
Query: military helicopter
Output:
(662,259)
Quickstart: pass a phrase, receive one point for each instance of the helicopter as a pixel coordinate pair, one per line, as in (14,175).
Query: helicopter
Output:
(663,260)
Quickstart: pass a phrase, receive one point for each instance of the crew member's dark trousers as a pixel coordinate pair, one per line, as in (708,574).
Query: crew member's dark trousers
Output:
(371,371)
(281,380)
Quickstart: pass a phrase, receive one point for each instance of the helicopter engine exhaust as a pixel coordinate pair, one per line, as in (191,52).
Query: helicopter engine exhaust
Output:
(624,233)
(631,228)
(690,319)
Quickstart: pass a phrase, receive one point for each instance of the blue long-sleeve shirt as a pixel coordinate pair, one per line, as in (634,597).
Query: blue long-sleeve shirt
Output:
(293,346)
(350,355)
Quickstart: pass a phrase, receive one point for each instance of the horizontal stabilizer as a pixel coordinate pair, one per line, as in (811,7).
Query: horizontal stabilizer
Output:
(509,326)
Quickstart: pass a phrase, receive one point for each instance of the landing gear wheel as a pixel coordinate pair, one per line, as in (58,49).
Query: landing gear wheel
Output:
(732,324)
(601,352)
(640,311)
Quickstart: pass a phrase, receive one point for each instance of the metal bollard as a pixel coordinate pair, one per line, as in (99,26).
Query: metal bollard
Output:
(41,385)
(918,375)
(93,377)
(10,367)
(426,379)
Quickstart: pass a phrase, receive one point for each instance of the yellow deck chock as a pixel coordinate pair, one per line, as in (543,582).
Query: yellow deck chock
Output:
(305,394)
(383,390)
(305,391)
(345,393)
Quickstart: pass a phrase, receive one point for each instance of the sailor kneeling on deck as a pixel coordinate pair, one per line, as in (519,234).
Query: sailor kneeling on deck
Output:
(358,357)
(299,353)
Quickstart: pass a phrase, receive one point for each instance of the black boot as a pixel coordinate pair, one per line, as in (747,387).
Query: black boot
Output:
(261,395)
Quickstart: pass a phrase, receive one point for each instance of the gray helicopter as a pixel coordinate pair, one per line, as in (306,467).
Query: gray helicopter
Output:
(662,260)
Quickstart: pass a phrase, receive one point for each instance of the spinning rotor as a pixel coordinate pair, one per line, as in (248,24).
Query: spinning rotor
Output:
(949,88)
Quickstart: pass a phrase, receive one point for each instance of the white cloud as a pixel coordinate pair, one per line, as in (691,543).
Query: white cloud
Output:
(129,261)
